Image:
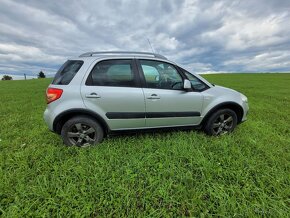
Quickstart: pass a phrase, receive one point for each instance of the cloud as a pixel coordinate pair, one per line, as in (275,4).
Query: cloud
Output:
(201,35)
(271,60)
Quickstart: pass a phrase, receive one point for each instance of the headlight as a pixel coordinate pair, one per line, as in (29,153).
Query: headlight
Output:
(244,98)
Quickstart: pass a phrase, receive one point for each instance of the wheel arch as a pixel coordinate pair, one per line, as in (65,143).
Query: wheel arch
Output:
(230,105)
(60,119)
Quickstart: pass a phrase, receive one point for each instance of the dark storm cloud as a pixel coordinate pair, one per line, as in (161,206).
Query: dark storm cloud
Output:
(203,36)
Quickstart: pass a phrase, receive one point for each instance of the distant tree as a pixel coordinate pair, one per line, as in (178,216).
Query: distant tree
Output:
(41,75)
(6,77)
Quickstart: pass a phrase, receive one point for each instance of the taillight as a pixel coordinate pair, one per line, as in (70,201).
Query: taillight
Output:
(53,94)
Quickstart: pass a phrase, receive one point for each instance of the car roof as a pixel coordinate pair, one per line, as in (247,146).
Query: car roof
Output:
(123,53)
(91,56)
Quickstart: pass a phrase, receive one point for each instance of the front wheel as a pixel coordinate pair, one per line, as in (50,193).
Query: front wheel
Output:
(82,131)
(221,122)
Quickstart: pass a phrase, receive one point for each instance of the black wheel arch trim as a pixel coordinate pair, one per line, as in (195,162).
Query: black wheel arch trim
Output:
(230,105)
(65,115)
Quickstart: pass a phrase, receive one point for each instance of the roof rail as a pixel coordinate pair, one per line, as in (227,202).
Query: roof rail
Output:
(90,54)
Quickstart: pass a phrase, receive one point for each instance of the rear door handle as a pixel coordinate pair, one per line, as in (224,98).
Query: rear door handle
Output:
(154,96)
(93,95)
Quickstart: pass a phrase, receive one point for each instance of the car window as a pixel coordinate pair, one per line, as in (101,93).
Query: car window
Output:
(151,73)
(112,73)
(196,83)
(67,72)
(161,75)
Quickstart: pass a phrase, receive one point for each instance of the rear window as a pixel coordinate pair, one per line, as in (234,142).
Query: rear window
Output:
(67,72)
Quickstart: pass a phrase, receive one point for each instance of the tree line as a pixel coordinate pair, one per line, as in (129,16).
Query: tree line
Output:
(39,76)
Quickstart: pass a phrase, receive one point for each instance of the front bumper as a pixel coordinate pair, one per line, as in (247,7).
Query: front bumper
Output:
(245,106)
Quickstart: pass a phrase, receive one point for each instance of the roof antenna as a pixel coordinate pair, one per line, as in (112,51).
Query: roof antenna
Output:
(150,45)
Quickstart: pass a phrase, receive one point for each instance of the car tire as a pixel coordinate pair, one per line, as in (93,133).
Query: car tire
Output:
(82,131)
(221,122)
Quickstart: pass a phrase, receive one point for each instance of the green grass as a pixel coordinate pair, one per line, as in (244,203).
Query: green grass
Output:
(169,174)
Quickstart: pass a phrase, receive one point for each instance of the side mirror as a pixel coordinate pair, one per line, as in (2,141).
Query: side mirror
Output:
(186,84)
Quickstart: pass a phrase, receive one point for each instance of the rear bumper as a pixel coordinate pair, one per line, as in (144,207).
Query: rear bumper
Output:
(49,118)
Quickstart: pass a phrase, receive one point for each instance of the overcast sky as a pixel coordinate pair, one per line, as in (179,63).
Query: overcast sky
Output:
(203,36)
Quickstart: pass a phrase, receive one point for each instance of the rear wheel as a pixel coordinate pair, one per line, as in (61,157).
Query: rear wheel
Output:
(82,131)
(221,122)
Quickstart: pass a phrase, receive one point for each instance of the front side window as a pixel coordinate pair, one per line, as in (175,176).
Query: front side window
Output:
(112,73)
(195,82)
(67,72)
(161,75)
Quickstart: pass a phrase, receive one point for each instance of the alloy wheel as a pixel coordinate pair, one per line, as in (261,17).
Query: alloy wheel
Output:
(223,124)
(81,135)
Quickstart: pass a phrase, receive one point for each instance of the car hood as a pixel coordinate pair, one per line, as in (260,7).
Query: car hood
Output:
(225,89)
(219,91)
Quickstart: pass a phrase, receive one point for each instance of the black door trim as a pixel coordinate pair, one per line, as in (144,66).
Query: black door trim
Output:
(125,115)
(172,114)
(139,115)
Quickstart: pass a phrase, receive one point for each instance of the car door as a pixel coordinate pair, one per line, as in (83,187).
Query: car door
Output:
(112,90)
(166,102)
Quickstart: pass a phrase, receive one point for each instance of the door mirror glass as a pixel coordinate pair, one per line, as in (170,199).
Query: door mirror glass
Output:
(186,84)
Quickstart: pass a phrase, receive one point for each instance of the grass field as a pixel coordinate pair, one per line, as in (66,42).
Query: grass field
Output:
(169,174)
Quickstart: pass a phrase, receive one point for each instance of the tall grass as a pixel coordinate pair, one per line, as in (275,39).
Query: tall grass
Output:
(171,174)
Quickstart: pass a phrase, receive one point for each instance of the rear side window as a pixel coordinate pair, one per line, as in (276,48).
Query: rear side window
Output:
(112,73)
(67,72)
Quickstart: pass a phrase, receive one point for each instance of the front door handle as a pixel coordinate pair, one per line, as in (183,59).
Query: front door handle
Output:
(154,96)
(93,95)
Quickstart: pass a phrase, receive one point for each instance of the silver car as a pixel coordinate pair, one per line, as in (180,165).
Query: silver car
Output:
(99,93)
